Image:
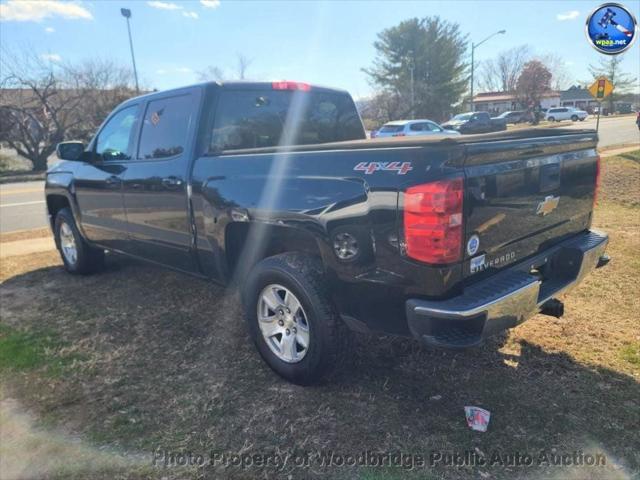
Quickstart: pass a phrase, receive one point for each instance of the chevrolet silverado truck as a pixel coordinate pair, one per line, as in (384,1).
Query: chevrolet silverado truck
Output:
(273,188)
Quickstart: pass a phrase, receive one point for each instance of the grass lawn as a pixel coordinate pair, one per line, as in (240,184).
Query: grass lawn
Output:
(102,374)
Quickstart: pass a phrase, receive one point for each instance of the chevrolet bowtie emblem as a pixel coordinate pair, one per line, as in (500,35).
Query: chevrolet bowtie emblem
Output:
(548,205)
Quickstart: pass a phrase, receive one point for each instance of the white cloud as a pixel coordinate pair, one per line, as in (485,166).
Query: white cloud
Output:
(184,70)
(193,15)
(161,71)
(210,3)
(164,5)
(570,15)
(38,10)
(49,29)
(51,57)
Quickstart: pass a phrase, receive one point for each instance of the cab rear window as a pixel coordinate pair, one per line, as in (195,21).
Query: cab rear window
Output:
(268,118)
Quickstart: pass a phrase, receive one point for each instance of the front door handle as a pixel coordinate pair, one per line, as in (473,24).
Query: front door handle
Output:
(171,182)
(113,182)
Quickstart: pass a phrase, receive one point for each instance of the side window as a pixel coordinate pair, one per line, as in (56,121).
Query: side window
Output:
(433,127)
(114,140)
(416,127)
(164,128)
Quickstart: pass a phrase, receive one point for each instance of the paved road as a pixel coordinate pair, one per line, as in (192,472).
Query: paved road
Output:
(22,205)
(612,130)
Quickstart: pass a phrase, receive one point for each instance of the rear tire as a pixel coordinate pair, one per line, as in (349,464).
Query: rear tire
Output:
(286,305)
(574,118)
(77,255)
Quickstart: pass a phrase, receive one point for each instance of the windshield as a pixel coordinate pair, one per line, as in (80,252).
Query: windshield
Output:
(463,116)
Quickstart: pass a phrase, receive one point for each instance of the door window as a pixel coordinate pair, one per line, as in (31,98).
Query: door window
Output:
(114,140)
(165,126)
(416,127)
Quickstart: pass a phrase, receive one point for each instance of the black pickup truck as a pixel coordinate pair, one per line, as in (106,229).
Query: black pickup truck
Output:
(273,187)
(475,122)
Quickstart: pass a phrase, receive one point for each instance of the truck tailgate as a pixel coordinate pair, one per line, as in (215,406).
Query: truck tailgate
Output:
(523,196)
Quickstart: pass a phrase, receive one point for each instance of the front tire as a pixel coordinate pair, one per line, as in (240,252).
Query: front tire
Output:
(552,119)
(292,320)
(574,118)
(78,256)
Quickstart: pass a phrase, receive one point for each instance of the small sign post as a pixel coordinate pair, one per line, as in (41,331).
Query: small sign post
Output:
(600,89)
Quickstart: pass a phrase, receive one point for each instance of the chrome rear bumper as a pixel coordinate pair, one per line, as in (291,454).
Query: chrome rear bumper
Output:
(507,298)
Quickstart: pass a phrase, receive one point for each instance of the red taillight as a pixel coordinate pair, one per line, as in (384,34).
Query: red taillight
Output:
(433,221)
(286,85)
(597,186)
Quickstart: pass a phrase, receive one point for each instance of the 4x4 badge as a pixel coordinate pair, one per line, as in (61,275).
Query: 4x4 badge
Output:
(548,205)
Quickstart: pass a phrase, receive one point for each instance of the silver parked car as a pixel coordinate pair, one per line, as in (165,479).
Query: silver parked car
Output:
(407,128)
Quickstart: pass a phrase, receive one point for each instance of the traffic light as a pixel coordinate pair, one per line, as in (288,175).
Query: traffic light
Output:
(601,84)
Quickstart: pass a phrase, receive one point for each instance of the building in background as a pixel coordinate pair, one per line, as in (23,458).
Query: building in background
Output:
(498,102)
(578,97)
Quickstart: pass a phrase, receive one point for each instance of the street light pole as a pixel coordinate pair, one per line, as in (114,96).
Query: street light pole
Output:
(126,13)
(473,49)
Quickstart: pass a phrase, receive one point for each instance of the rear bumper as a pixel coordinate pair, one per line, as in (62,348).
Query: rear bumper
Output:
(507,298)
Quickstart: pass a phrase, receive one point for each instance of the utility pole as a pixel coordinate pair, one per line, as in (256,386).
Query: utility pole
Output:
(473,49)
(413,113)
(126,13)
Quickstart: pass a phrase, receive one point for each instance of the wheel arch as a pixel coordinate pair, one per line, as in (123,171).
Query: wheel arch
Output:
(55,203)
(247,243)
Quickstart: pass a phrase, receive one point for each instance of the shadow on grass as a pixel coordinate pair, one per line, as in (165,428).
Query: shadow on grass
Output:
(167,366)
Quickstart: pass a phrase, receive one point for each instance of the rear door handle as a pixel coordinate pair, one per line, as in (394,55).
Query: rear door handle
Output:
(172,182)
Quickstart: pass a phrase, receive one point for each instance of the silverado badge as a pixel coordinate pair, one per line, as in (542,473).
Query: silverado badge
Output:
(548,205)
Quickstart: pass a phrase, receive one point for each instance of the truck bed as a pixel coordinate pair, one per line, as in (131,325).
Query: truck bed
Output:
(390,142)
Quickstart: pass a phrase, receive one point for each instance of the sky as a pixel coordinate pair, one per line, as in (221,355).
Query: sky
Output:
(320,42)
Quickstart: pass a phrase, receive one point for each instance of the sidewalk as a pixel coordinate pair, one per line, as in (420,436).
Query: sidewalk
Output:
(26,247)
(617,151)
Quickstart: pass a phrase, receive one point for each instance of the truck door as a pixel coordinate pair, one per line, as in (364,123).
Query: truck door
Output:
(98,183)
(155,184)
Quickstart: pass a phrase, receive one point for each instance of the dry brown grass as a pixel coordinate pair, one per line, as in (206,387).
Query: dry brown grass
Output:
(25,234)
(164,361)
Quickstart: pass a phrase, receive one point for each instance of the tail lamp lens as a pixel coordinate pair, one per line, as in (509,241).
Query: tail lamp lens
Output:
(287,85)
(433,221)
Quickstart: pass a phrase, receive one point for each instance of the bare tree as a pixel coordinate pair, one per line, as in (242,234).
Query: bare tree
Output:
(217,74)
(42,104)
(610,67)
(561,79)
(383,107)
(501,73)
(243,64)
(211,73)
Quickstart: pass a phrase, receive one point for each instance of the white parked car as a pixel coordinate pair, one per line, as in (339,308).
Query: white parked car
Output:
(408,128)
(565,113)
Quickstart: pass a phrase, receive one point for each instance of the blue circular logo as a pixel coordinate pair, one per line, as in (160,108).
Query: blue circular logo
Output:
(611,28)
(473,244)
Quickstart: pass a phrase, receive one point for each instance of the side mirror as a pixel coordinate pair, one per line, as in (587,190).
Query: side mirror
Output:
(70,151)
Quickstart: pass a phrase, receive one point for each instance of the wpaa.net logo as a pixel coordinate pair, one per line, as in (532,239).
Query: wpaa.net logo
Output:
(611,28)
